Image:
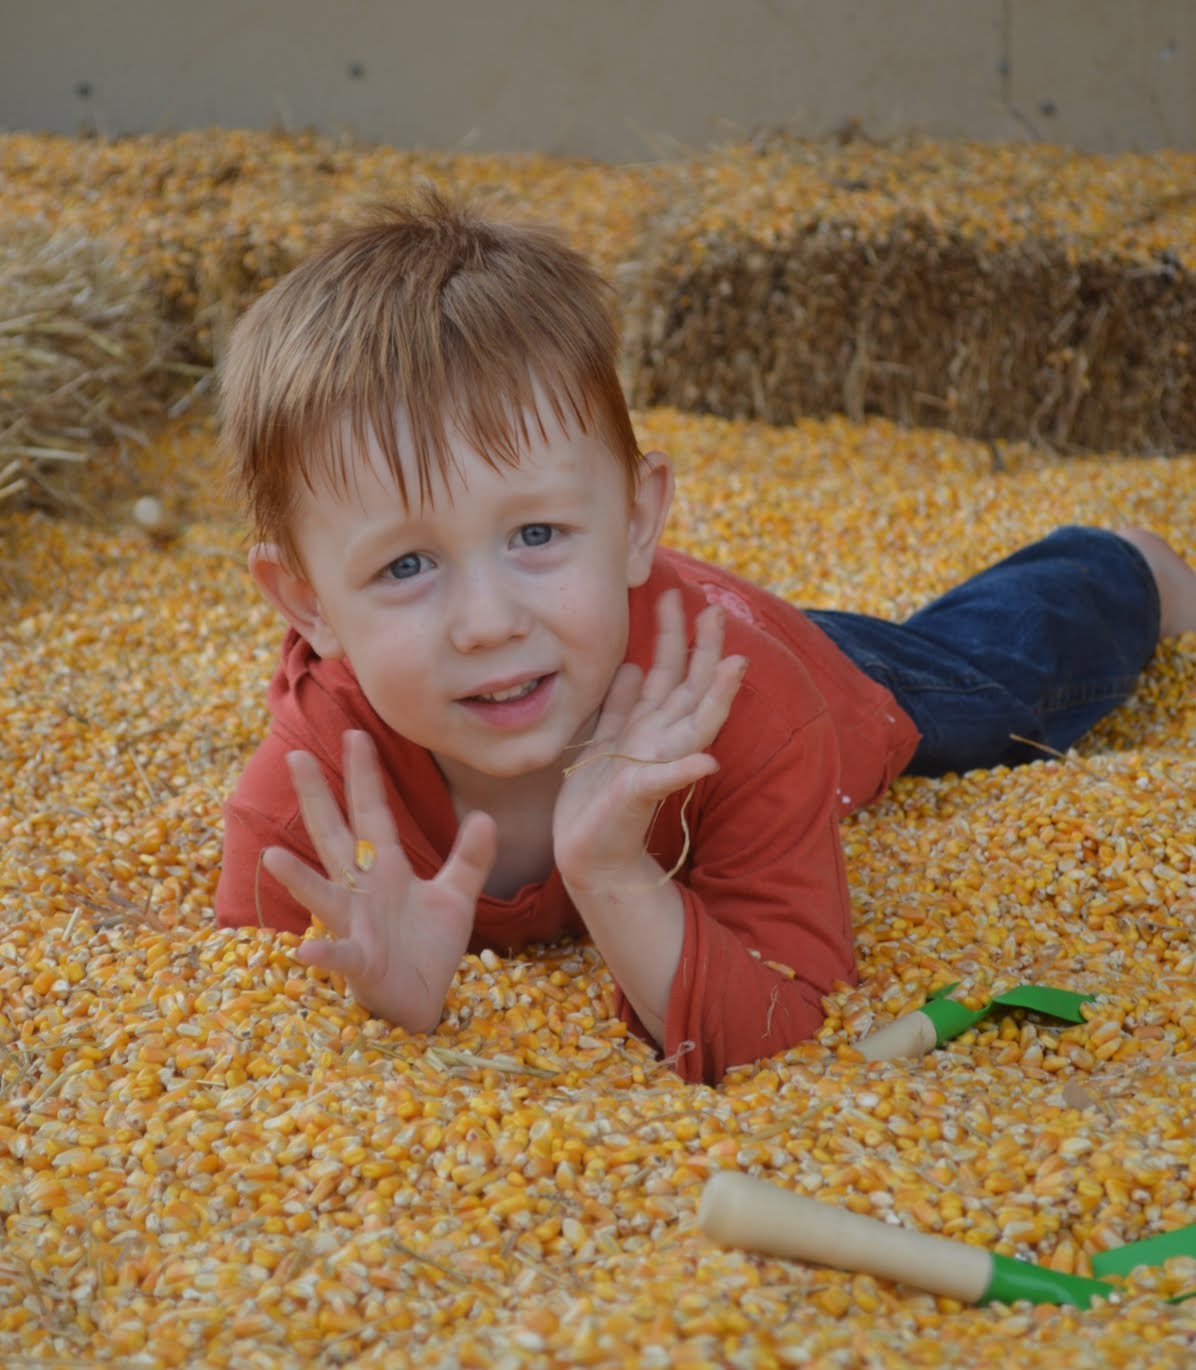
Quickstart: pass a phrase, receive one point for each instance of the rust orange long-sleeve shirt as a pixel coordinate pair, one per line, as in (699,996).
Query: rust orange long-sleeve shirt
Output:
(809,739)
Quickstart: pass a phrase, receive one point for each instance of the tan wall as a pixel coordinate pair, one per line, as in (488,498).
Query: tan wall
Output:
(616,79)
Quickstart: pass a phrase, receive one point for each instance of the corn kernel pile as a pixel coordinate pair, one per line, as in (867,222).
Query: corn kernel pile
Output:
(207,1153)
(209,1156)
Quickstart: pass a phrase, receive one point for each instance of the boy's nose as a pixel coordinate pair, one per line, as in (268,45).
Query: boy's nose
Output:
(483,610)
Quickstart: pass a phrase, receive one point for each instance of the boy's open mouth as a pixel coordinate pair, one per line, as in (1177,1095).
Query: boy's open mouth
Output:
(512,692)
(513,707)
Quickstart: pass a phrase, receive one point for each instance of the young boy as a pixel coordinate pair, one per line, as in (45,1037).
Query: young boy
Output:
(504,713)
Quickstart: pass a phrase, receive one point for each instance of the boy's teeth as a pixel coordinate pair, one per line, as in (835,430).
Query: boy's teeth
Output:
(515,692)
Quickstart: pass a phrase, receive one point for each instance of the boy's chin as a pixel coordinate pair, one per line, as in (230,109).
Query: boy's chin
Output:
(510,764)
(518,768)
(532,755)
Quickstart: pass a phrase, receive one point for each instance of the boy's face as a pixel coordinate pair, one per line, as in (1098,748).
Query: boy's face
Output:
(487,625)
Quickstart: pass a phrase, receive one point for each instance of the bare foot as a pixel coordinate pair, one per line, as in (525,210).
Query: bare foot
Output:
(1174,577)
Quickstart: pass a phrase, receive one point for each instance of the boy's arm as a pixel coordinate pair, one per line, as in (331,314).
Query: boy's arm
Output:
(764,884)
(637,921)
(768,884)
(649,742)
(760,927)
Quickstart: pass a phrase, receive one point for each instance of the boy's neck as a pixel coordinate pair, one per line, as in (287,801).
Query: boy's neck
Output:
(521,807)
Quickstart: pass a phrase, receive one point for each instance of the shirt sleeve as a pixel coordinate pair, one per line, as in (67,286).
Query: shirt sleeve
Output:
(262,812)
(768,885)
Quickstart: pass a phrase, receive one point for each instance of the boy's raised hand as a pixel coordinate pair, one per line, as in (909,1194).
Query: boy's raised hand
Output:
(399,940)
(649,742)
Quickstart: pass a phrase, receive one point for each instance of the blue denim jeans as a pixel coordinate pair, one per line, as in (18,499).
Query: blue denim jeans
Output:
(1043,644)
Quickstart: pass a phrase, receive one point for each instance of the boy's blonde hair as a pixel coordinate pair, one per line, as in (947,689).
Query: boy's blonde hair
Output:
(433,309)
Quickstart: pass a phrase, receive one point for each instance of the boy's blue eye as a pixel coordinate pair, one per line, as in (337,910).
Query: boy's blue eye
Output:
(404,567)
(536,534)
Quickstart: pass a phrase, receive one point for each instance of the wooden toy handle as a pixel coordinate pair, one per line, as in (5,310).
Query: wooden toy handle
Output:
(737,1210)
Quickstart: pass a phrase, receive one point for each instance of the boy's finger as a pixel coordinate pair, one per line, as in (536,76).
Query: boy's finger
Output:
(711,710)
(345,956)
(321,814)
(369,813)
(471,859)
(621,698)
(670,650)
(703,662)
(654,784)
(320,897)
(703,667)
(708,642)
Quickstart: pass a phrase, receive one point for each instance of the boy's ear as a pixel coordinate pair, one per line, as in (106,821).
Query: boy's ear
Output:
(295,599)
(649,512)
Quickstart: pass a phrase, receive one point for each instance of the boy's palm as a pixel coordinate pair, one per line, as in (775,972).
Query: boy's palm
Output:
(399,939)
(649,742)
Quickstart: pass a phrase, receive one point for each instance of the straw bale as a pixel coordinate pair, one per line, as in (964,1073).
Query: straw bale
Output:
(1039,297)
(84,356)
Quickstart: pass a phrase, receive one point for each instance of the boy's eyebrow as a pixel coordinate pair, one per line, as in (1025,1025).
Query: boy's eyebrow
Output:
(552,498)
(413,523)
(370,536)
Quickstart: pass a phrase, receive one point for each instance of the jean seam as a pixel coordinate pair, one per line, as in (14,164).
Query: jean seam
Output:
(940,687)
(1068,697)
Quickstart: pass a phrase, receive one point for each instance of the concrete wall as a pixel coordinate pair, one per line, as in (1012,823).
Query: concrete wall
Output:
(616,79)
